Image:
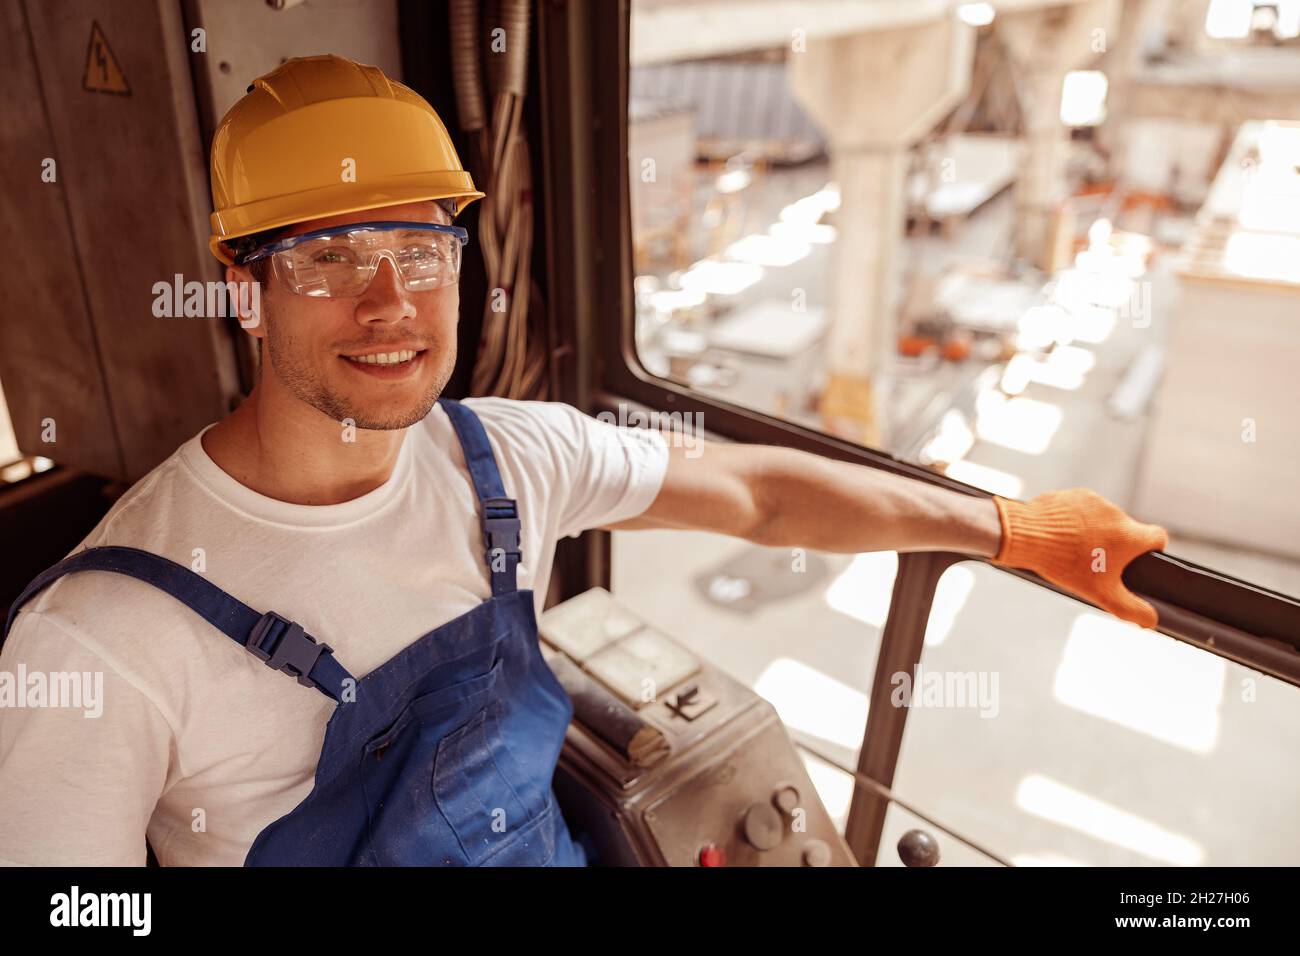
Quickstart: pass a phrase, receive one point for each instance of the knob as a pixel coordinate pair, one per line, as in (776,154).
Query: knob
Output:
(786,798)
(712,855)
(816,853)
(918,848)
(763,826)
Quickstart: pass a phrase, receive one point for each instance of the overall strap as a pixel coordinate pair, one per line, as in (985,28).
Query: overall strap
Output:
(499,515)
(279,643)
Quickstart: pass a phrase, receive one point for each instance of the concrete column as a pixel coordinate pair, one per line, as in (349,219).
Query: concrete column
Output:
(863,296)
(1040,187)
(1044,44)
(874,94)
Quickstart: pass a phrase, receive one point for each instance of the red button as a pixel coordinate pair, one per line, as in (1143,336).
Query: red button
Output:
(713,855)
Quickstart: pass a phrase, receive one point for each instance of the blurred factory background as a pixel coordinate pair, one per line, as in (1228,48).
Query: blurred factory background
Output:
(1049,243)
(1031,245)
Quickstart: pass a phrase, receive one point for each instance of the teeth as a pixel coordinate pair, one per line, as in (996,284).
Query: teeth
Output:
(387,358)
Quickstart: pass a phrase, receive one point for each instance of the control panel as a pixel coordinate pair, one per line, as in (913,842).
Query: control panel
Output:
(668,760)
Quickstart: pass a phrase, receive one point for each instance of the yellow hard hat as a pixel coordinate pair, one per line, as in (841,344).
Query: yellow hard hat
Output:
(321,136)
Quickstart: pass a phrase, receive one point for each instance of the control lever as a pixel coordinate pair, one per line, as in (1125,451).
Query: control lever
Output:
(608,718)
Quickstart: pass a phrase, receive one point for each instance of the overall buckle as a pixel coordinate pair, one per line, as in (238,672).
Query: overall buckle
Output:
(501,530)
(295,653)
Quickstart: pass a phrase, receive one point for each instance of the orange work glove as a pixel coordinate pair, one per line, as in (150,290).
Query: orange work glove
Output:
(1081,542)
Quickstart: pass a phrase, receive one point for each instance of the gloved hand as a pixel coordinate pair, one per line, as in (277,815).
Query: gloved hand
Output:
(1079,541)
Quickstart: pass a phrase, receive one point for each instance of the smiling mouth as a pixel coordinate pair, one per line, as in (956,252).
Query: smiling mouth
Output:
(384,358)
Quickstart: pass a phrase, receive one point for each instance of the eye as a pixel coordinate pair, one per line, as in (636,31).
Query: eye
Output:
(421,253)
(334,255)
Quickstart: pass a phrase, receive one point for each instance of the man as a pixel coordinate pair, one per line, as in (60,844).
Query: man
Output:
(395,707)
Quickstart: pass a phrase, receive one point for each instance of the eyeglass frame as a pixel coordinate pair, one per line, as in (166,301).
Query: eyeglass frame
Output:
(380,225)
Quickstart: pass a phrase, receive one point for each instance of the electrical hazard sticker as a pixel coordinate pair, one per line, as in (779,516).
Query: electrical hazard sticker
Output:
(102,75)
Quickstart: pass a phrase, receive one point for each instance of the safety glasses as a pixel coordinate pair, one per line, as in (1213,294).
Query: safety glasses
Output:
(341,261)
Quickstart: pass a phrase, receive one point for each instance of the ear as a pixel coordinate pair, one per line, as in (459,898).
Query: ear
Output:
(245,293)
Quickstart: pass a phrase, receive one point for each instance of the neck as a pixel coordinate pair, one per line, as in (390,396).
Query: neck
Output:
(283,448)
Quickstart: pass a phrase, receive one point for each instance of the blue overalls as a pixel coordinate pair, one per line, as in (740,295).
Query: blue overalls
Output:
(444,754)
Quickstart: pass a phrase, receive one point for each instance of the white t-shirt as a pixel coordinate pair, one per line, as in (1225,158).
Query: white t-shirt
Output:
(201,745)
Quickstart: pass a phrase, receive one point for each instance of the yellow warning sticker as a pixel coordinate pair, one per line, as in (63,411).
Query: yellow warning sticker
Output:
(103,75)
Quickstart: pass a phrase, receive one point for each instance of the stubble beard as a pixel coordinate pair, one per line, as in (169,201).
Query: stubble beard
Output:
(298,376)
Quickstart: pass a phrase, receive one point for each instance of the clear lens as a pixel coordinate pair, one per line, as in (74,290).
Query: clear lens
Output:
(343,265)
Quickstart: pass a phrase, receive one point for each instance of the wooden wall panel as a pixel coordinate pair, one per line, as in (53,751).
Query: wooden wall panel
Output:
(134,173)
(48,355)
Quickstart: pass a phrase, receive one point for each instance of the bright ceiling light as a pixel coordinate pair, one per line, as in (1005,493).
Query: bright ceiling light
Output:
(951,442)
(1021,424)
(1073,288)
(733,181)
(1263,256)
(1065,368)
(765,250)
(829,196)
(976,14)
(720,278)
(1228,19)
(1042,326)
(990,479)
(1016,376)
(1099,232)
(812,232)
(1092,325)
(811,208)
(1083,98)
(674,300)
(1288,20)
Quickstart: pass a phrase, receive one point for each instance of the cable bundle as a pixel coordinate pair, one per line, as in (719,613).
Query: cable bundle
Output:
(512,353)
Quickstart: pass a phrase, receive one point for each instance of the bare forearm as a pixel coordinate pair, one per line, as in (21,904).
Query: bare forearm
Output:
(814,502)
(785,498)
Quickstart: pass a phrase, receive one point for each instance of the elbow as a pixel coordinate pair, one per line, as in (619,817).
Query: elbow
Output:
(764,522)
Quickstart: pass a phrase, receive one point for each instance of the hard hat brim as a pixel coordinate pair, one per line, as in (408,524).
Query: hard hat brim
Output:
(313,204)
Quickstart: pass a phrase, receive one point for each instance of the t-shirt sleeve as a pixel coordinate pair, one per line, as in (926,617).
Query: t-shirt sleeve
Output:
(78,781)
(617,473)
(599,473)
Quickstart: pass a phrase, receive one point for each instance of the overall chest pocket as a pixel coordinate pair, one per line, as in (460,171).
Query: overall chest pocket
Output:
(500,812)
(405,826)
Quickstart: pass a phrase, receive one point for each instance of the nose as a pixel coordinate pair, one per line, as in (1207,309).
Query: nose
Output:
(385,299)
